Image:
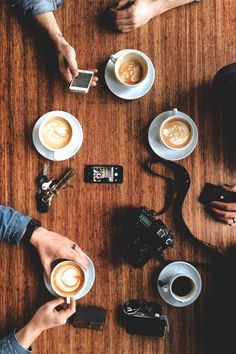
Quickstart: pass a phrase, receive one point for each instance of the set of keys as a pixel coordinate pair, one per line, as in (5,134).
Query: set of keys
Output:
(49,188)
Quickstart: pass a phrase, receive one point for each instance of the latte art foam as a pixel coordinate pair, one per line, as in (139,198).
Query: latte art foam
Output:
(67,278)
(176,133)
(56,133)
(130,72)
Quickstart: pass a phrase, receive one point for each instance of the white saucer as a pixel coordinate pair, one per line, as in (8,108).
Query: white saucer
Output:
(73,147)
(159,148)
(89,280)
(122,91)
(179,268)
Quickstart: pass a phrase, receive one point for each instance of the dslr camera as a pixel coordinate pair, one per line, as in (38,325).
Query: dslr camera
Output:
(145,238)
(143,317)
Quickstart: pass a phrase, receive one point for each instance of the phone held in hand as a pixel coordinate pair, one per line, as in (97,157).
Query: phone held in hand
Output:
(103,174)
(81,83)
(212,192)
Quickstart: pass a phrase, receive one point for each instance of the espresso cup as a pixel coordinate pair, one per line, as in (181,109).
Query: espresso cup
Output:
(176,132)
(67,279)
(55,133)
(131,68)
(181,287)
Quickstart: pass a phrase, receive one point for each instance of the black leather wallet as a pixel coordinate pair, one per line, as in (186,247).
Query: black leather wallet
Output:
(89,317)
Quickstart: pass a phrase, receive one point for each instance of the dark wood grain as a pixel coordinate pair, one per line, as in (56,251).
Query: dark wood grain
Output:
(187,46)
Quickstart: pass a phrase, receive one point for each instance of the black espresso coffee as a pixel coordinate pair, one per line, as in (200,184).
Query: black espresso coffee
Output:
(182,286)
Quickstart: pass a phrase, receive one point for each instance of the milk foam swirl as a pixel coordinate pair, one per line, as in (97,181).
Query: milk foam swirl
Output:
(176,133)
(67,279)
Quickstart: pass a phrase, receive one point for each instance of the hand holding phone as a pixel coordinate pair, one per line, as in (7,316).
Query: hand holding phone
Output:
(81,83)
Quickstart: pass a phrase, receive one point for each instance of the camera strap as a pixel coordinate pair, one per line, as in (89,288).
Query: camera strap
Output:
(177,190)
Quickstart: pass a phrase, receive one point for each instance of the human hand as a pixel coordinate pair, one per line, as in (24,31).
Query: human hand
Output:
(51,245)
(130,15)
(47,316)
(67,63)
(225,212)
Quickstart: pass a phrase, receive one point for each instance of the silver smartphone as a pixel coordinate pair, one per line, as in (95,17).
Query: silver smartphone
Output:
(82,81)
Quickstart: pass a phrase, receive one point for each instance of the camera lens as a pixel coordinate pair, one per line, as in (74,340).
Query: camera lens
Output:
(131,306)
(153,308)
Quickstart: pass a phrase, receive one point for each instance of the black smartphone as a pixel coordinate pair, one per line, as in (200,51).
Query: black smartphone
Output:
(212,192)
(103,174)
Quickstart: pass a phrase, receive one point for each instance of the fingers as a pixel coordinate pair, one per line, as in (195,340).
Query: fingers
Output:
(122,3)
(78,256)
(224,214)
(224,206)
(56,302)
(125,29)
(231,188)
(229,222)
(71,307)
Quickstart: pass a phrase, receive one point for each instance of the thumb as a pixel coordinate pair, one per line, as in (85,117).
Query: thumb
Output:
(230,188)
(47,269)
(121,4)
(73,66)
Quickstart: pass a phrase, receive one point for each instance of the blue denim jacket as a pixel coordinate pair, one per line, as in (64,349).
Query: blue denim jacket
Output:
(12,227)
(33,7)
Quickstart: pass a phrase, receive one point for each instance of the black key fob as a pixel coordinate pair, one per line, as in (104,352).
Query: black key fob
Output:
(42,207)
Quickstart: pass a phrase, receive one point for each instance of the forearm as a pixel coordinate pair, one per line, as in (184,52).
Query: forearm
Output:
(27,335)
(165,5)
(48,23)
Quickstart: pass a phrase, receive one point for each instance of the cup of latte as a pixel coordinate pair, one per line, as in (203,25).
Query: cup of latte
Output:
(176,132)
(67,279)
(131,68)
(55,133)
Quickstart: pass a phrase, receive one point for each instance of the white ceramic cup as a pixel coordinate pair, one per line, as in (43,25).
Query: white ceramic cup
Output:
(168,288)
(130,55)
(185,118)
(42,126)
(59,264)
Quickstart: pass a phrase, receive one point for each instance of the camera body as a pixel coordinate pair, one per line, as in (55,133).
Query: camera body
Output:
(145,238)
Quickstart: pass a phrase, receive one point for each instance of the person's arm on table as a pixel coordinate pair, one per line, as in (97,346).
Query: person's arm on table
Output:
(47,316)
(43,13)
(225,212)
(50,245)
(130,15)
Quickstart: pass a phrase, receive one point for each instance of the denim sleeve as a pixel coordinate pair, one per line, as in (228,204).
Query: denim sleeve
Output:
(10,345)
(12,224)
(34,7)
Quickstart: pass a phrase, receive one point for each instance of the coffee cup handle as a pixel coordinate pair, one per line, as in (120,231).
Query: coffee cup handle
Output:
(113,59)
(174,111)
(68,300)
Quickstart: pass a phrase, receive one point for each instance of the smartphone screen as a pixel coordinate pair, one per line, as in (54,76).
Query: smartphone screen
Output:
(103,174)
(82,80)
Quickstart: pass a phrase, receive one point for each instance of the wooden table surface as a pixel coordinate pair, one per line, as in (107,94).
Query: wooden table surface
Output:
(187,46)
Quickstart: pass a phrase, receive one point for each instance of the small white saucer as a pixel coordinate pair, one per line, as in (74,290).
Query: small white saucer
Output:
(122,91)
(73,147)
(178,268)
(89,280)
(159,148)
